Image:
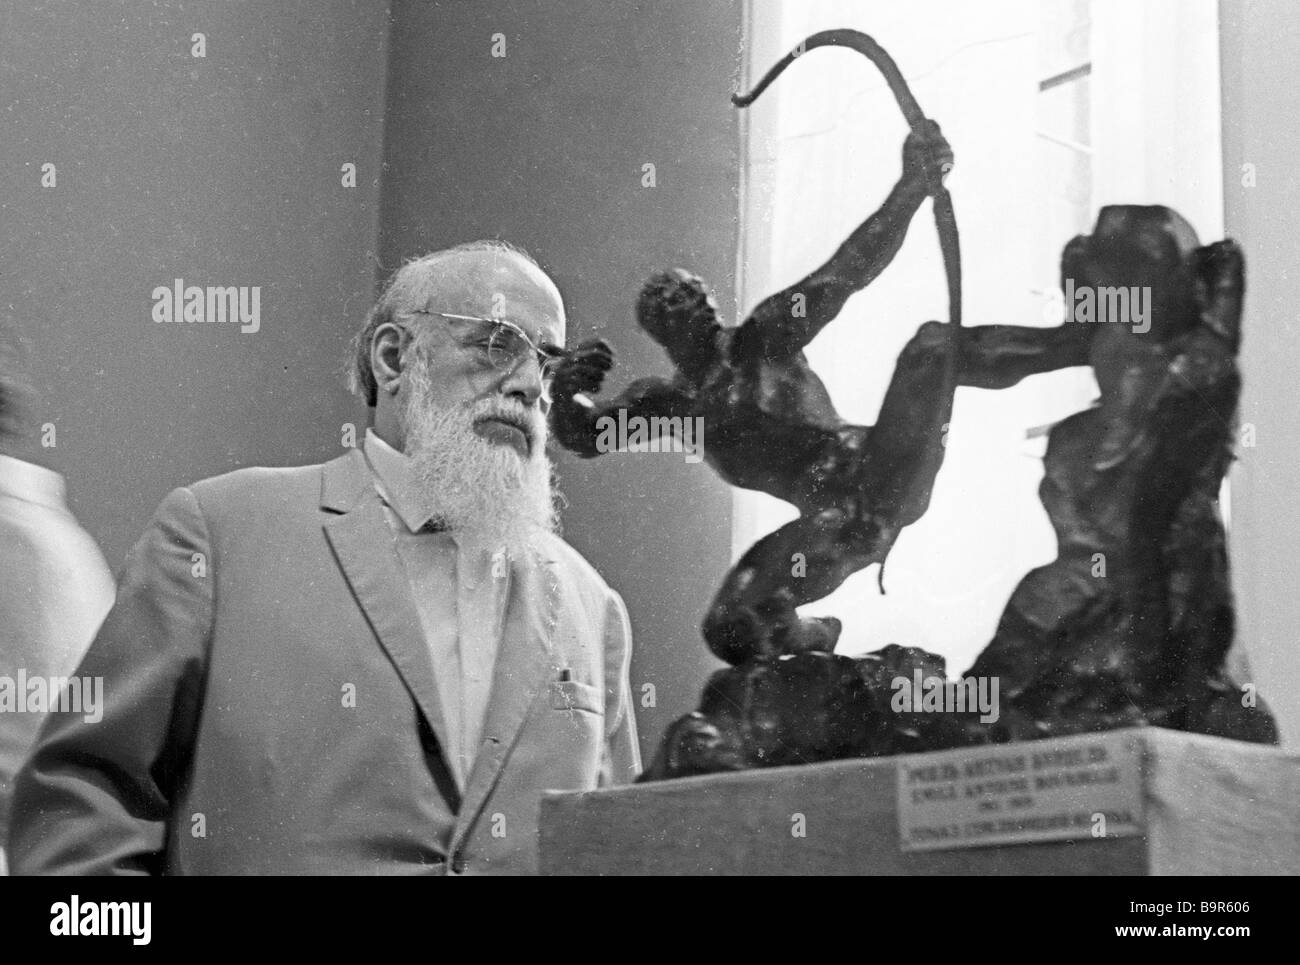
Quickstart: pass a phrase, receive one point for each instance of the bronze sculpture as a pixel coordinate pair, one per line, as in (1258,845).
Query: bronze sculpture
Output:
(770,421)
(1129,625)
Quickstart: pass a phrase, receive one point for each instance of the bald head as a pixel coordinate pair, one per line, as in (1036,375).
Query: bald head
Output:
(455,363)
(490,279)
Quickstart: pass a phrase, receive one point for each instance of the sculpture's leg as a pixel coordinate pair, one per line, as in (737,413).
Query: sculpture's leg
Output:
(905,449)
(753,614)
(906,446)
(999,356)
(754,611)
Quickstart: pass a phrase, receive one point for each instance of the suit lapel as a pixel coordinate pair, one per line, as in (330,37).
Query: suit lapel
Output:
(363,544)
(524,665)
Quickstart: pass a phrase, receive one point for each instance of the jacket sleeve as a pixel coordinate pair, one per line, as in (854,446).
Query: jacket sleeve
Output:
(622,757)
(95,795)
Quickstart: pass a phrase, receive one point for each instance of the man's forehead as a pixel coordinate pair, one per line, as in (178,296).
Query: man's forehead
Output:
(497,284)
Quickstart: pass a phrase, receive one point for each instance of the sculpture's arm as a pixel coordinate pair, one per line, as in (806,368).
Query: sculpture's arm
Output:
(786,322)
(578,421)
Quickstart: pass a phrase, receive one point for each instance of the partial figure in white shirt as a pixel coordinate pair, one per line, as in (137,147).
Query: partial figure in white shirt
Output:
(56,587)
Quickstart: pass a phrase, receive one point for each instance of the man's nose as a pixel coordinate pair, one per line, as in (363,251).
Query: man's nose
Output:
(524,381)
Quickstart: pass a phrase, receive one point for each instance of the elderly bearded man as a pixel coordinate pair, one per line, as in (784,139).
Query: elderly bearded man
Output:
(372,666)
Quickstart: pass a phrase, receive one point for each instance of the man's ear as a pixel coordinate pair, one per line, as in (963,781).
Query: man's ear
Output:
(386,357)
(1219,273)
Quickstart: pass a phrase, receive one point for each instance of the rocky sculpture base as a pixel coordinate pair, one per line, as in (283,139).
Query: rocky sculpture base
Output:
(814,707)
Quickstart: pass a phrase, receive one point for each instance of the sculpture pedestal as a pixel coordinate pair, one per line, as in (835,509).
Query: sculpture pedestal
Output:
(1164,802)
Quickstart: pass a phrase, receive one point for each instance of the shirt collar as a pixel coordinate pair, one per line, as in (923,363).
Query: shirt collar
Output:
(31,483)
(395,480)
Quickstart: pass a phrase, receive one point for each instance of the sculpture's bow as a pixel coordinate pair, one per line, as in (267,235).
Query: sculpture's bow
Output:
(944,219)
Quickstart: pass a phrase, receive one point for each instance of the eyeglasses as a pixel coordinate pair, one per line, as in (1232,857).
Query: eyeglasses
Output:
(503,344)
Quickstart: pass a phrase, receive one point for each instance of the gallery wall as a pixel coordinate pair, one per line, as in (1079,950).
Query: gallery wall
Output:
(224,169)
(1261,140)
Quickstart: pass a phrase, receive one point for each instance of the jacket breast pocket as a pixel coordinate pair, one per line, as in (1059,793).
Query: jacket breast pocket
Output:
(575,695)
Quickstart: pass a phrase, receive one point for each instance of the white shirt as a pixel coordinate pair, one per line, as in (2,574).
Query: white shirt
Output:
(461,595)
(55,590)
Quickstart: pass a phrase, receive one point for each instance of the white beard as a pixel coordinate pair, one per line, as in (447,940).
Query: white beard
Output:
(484,491)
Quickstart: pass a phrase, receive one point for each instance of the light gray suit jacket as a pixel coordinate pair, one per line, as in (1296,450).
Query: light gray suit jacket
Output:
(270,703)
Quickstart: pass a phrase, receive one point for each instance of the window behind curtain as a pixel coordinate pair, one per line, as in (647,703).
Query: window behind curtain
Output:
(1053,109)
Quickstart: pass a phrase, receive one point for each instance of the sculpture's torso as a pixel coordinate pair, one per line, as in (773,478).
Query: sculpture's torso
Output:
(767,423)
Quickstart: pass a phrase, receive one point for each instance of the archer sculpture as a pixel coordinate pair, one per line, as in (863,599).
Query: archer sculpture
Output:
(770,421)
(1131,623)
(1131,484)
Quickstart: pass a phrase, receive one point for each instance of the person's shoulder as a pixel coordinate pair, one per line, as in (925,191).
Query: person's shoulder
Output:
(51,555)
(23,537)
(245,490)
(255,478)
